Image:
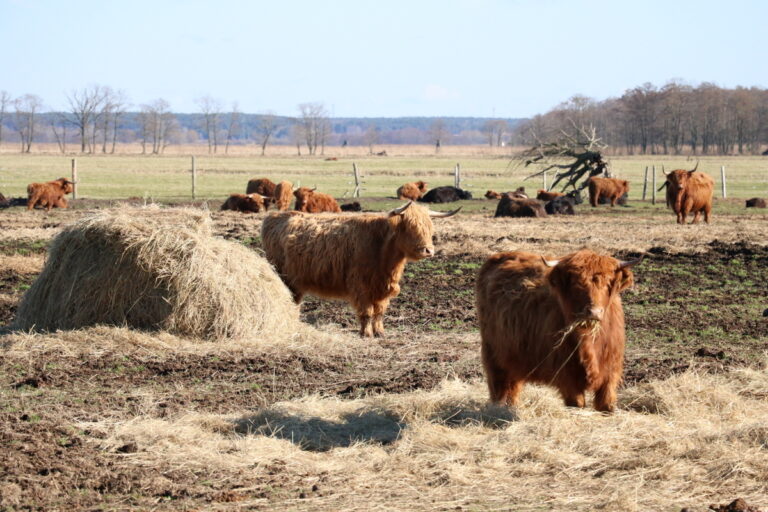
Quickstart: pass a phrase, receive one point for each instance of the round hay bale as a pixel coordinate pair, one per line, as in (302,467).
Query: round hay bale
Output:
(155,269)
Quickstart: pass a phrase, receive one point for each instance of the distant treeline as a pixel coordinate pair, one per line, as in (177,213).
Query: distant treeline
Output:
(673,119)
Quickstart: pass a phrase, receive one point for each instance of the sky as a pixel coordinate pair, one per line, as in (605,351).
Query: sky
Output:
(385,58)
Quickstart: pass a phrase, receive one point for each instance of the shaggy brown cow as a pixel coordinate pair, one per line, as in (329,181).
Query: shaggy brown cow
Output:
(610,188)
(282,195)
(559,323)
(512,206)
(492,194)
(689,192)
(49,194)
(310,201)
(756,202)
(357,258)
(261,186)
(248,203)
(412,191)
(544,195)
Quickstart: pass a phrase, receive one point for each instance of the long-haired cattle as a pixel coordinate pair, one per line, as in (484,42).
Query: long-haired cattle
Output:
(283,195)
(610,188)
(261,186)
(446,194)
(755,202)
(545,195)
(49,194)
(511,206)
(357,258)
(247,203)
(689,192)
(554,322)
(412,191)
(308,200)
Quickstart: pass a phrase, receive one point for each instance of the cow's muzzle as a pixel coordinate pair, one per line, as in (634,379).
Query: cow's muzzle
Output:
(427,252)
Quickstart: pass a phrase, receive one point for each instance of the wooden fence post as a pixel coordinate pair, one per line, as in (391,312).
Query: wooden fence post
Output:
(74,178)
(645,182)
(356,193)
(544,179)
(194,179)
(722,179)
(653,189)
(457,176)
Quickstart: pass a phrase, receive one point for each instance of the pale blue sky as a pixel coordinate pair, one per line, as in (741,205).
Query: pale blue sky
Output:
(369,58)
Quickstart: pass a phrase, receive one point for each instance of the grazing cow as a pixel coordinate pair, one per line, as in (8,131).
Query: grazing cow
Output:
(445,195)
(352,207)
(357,258)
(310,201)
(756,202)
(610,188)
(49,194)
(543,195)
(554,322)
(412,191)
(283,194)
(511,206)
(248,203)
(689,192)
(562,205)
(261,186)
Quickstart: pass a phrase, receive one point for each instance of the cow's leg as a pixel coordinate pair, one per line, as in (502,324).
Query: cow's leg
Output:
(613,201)
(378,317)
(365,316)
(707,211)
(502,388)
(696,217)
(31,201)
(605,396)
(594,199)
(573,398)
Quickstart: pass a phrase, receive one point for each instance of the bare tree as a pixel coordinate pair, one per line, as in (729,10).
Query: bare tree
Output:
(233,124)
(5,102)
(157,125)
(438,132)
(371,137)
(267,127)
(495,130)
(297,135)
(27,108)
(59,128)
(85,106)
(211,109)
(314,125)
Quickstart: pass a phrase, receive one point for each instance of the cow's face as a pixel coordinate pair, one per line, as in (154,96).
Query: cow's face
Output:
(586,283)
(413,232)
(677,184)
(253,203)
(422,186)
(302,196)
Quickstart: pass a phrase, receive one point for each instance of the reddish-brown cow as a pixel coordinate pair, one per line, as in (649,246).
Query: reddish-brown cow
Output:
(544,195)
(310,201)
(248,203)
(412,191)
(357,258)
(49,194)
(261,186)
(283,194)
(492,194)
(689,192)
(610,188)
(554,322)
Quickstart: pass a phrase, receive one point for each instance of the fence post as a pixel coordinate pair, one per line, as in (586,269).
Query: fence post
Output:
(74,178)
(544,178)
(194,179)
(645,182)
(722,178)
(457,176)
(356,193)
(653,190)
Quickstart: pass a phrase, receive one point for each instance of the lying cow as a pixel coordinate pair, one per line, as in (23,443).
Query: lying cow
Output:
(247,203)
(357,258)
(445,195)
(354,206)
(610,188)
(545,195)
(756,202)
(689,192)
(310,201)
(562,205)
(412,191)
(554,322)
(511,206)
(49,194)
(282,195)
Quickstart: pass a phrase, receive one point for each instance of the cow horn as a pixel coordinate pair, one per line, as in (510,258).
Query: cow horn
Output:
(662,186)
(630,263)
(314,188)
(399,210)
(662,170)
(697,166)
(549,263)
(444,214)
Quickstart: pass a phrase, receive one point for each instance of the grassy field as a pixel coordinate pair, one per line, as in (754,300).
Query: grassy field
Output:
(168,177)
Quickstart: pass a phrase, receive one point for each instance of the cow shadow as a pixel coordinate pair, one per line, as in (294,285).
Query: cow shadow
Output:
(366,425)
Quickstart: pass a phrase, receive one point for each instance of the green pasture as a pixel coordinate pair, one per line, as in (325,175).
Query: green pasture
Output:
(169,177)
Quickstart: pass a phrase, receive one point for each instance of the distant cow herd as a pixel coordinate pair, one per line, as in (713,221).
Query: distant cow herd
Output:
(557,322)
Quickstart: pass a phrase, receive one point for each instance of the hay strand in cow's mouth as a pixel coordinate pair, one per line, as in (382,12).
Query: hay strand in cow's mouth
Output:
(593,329)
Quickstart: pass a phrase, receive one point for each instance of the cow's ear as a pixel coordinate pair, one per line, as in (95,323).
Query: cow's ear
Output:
(558,279)
(623,280)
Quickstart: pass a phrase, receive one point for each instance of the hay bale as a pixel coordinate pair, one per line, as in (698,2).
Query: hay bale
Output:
(148,268)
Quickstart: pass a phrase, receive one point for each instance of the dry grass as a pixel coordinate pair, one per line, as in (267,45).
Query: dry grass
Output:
(686,441)
(156,269)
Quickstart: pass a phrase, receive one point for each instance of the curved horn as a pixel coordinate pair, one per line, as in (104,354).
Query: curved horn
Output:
(630,263)
(662,186)
(662,170)
(315,188)
(444,214)
(697,166)
(549,263)
(400,209)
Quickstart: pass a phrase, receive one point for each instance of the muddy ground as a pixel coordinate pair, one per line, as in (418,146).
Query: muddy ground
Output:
(703,309)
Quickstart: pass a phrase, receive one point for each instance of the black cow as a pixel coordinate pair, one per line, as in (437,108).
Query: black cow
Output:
(351,207)
(511,206)
(562,205)
(756,202)
(445,195)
